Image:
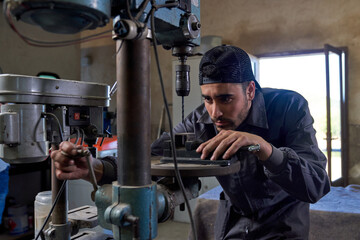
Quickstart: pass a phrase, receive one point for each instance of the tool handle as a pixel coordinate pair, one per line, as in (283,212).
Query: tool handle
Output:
(92,177)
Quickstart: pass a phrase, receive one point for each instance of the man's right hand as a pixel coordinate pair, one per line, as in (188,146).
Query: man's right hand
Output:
(68,164)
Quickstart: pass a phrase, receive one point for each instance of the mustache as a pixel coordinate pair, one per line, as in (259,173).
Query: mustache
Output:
(221,119)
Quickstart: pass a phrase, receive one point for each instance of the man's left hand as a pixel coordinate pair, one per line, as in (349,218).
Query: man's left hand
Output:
(228,142)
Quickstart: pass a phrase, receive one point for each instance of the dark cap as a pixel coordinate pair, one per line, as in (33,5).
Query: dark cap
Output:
(226,64)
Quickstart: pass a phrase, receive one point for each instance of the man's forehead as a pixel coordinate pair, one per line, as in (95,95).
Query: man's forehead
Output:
(220,88)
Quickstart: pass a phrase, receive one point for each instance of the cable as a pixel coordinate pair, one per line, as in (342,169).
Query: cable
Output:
(71,41)
(122,41)
(77,136)
(128,10)
(44,114)
(82,136)
(142,9)
(177,173)
(114,86)
(167,5)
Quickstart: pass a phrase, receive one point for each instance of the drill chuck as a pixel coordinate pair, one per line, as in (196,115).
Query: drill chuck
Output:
(182,79)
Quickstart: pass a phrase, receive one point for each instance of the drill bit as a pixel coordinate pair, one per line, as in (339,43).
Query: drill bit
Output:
(182,113)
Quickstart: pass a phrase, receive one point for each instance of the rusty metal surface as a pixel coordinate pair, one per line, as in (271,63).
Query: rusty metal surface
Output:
(191,170)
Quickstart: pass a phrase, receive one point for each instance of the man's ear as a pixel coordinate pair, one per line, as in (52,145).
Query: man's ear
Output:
(250,91)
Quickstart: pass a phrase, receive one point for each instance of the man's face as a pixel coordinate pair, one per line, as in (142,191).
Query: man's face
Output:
(227,103)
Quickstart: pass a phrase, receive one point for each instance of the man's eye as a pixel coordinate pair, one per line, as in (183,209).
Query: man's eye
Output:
(226,99)
(207,99)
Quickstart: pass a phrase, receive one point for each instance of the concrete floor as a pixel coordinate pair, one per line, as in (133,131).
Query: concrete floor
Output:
(173,230)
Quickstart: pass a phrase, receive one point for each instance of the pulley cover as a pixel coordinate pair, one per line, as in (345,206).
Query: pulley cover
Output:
(62,16)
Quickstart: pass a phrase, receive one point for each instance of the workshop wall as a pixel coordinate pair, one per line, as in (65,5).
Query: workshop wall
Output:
(17,57)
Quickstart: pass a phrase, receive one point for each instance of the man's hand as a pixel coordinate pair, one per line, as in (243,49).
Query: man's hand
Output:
(228,142)
(69,165)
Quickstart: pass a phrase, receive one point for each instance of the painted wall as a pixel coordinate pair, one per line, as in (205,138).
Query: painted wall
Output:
(19,58)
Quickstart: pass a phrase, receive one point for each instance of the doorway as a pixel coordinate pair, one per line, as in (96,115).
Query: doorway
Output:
(319,76)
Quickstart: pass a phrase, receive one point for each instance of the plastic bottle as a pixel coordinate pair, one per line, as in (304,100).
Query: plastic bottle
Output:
(42,206)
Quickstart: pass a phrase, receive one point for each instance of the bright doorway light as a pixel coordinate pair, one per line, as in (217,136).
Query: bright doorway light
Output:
(306,75)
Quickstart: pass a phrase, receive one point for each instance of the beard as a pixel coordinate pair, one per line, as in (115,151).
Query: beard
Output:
(232,124)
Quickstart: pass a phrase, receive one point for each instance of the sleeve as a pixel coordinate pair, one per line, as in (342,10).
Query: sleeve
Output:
(299,166)
(109,170)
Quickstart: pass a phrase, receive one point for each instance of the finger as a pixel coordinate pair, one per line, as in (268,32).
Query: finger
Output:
(223,146)
(235,146)
(209,148)
(61,175)
(214,143)
(66,146)
(69,148)
(70,167)
(210,145)
(57,156)
(53,154)
(204,144)
(201,146)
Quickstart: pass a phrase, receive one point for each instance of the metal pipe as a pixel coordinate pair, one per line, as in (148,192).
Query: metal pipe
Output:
(59,215)
(133,112)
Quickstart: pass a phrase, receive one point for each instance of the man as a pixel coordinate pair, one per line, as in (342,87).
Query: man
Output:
(269,197)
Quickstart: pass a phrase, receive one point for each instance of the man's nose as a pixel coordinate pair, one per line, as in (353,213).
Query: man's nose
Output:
(216,111)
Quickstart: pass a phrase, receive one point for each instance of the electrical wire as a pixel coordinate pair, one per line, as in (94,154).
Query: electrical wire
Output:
(82,136)
(128,10)
(141,9)
(121,44)
(44,114)
(114,86)
(177,173)
(37,43)
(58,123)
(77,136)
